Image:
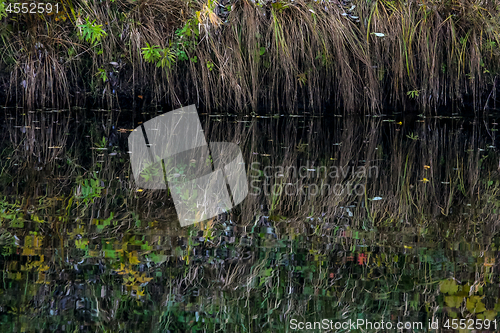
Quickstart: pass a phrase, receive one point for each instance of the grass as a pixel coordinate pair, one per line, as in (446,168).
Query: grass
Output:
(281,55)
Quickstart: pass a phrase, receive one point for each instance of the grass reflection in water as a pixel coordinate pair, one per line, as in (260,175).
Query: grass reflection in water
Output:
(84,250)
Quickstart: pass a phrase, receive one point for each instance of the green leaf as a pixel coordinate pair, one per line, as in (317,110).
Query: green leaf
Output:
(267,272)
(475,305)
(448,286)
(17,223)
(453,301)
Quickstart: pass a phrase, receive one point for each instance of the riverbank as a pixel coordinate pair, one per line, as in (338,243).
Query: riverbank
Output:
(381,216)
(358,56)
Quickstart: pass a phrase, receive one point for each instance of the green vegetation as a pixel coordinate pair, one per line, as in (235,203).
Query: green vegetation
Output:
(413,237)
(84,249)
(362,55)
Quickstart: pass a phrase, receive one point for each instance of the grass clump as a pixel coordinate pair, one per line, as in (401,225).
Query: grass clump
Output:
(362,55)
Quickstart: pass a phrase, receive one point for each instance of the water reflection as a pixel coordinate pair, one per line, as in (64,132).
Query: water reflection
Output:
(407,231)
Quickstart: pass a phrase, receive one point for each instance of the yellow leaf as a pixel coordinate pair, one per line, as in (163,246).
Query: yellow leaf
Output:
(143,278)
(490,314)
(129,281)
(488,262)
(122,270)
(132,257)
(453,301)
(44,268)
(479,307)
(475,305)
(448,286)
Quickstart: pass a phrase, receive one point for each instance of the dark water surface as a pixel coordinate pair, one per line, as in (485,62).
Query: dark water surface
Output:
(348,218)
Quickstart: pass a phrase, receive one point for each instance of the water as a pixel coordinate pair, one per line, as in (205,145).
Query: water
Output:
(348,218)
